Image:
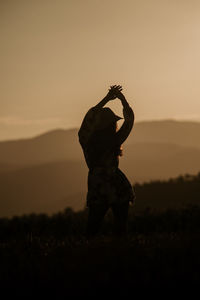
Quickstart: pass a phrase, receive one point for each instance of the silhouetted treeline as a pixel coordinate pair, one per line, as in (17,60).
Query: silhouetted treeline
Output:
(175,193)
(72,224)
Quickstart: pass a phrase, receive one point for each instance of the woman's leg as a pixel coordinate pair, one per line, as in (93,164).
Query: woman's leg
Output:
(95,217)
(120,213)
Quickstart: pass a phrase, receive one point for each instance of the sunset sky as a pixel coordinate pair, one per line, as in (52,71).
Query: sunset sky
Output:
(58,59)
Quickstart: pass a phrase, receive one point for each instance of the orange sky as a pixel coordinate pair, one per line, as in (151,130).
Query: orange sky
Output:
(58,58)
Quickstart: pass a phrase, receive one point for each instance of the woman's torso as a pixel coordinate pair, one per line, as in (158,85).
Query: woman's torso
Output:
(102,153)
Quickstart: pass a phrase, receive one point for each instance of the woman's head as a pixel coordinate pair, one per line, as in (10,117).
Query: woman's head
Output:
(106,119)
(104,136)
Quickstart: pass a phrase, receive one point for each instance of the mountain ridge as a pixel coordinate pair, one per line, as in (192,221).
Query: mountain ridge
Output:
(64,144)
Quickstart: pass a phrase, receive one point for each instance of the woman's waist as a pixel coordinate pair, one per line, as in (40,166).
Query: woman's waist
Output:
(110,163)
(104,169)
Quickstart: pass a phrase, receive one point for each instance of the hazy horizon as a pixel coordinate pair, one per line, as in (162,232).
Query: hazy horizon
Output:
(58,59)
(43,131)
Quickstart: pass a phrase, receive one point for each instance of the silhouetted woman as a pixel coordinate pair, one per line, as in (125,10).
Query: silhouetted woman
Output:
(101,143)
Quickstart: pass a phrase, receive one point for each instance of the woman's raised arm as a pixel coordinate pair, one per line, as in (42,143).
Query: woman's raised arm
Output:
(127,126)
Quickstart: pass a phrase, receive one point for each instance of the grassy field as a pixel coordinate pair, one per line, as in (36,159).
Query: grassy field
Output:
(52,254)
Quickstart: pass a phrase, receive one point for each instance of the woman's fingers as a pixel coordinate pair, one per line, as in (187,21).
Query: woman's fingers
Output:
(116,87)
(112,87)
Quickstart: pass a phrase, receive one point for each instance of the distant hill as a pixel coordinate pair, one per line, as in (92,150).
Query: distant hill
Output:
(150,161)
(48,173)
(52,146)
(61,144)
(43,188)
(167,131)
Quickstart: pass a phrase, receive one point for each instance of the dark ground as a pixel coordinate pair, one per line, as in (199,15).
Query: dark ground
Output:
(51,254)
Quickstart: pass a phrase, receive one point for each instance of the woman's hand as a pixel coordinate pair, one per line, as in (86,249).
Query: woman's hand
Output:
(114,91)
(119,94)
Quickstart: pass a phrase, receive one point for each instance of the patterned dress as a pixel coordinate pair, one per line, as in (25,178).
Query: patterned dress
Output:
(107,184)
